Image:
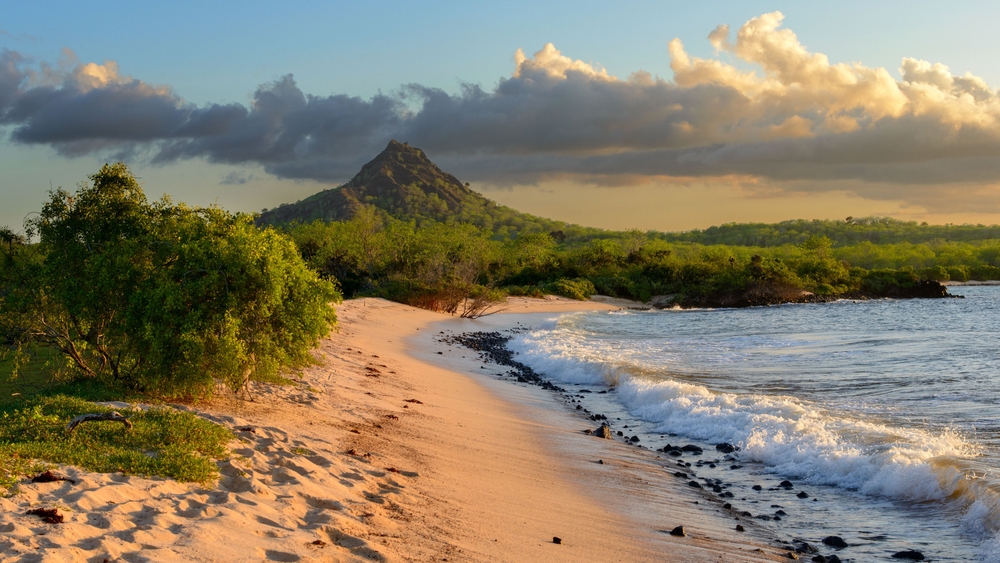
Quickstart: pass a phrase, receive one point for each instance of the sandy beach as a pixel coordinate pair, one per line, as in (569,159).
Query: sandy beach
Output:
(387,450)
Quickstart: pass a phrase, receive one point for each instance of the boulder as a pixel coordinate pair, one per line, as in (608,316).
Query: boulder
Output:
(603,431)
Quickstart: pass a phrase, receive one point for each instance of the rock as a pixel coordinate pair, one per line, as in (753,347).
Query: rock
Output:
(786,484)
(603,431)
(740,528)
(802,494)
(804,547)
(836,542)
(680,474)
(909,554)
(694,484)
(634,439)
(819,559)
(556,540)
(726,448)
(678,531)
(692,449)
(601,461)
(620,433)
(791,555)
(757,488)
(832,559)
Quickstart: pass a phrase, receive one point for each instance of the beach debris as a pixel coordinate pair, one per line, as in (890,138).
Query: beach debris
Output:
(50,476)
(89,417)
(835,542)
(678,531)
(48,515)
(392,470)
(249,429)
(391,417)
(319,543)
(414,401)
(603,431)
(910,554)
(556,540)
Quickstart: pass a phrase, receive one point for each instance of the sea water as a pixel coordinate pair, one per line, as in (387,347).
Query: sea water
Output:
(886,413)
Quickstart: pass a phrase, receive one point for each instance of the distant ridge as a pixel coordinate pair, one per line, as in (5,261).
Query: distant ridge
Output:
(403,182)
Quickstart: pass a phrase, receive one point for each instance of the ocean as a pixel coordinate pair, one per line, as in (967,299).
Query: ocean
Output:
(884,413)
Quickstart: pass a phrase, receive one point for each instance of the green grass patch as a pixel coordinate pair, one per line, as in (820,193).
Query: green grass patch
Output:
(162,442)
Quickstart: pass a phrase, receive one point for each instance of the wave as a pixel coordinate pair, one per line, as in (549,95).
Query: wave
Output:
(789,436)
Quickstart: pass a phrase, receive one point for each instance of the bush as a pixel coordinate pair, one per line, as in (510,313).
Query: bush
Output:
(579,288)
(165,298)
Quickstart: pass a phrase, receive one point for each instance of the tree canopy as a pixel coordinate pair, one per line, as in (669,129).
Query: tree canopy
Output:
(160,296)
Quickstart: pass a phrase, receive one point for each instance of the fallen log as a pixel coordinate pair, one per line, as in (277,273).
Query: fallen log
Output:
(112,416)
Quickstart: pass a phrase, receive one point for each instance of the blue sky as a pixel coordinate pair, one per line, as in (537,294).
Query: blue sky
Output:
(222,53)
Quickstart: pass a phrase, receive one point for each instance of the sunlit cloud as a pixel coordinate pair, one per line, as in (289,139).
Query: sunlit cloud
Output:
(765,109)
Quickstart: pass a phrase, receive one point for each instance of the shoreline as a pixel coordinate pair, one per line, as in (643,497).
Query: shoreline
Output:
(389,451)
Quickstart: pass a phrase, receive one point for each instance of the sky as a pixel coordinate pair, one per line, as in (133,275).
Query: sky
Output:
(652,115)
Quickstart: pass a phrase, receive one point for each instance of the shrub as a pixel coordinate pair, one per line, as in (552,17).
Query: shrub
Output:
(162,297)
(579,288)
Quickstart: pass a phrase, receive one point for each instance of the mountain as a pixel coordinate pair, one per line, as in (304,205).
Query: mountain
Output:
(403,182)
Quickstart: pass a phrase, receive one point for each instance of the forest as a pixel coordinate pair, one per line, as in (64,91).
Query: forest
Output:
(437,264)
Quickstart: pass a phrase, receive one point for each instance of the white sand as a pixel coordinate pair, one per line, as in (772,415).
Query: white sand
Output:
(340,467)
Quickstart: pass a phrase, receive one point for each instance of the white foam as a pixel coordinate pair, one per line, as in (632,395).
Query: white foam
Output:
(789,436)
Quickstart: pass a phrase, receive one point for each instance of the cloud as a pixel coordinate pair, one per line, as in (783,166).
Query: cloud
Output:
(237,178)
(794,117)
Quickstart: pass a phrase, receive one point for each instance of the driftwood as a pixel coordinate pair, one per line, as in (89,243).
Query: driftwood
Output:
(112,416)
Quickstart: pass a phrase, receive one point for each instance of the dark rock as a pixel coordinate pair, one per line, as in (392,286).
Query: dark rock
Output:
(819,559)
(781,513)
(757,488)
(620,433)
(692,449)
(694,484)
(740,528)
(909,554)
(678,531)
(680,474)
(556,540)
(791,555)
(802,494)
(786,484)
(601,461)
(804,547)
(603,431)
(726,448)
(634,439)
(727,506)
(832,559)
(836,542)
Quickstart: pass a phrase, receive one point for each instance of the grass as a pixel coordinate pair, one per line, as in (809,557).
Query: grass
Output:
(35,408)
(162,442)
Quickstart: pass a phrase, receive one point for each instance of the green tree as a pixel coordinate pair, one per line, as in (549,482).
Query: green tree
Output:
(164,297)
